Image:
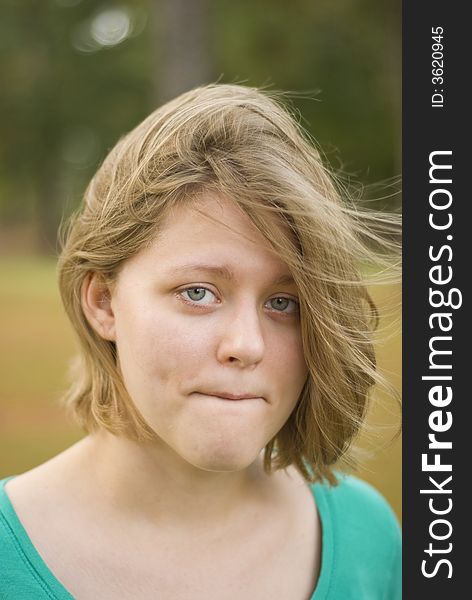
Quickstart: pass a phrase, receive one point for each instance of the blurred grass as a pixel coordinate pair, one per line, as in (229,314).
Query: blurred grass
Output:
(37,344)
(382,440)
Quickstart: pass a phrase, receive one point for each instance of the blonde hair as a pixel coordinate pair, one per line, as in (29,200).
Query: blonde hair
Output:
(244,144)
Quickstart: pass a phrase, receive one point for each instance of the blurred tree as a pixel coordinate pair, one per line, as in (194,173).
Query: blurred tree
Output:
(344,54)
(181,40)
(77,74)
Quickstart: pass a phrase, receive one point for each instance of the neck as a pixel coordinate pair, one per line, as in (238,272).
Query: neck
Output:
(150,481)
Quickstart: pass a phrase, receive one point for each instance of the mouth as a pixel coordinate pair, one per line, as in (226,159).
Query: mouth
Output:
(234,397)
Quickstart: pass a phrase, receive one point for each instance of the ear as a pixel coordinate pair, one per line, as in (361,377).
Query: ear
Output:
(96,304)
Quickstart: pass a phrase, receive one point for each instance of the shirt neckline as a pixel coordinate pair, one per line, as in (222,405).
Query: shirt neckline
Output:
(328,540)
(44,575)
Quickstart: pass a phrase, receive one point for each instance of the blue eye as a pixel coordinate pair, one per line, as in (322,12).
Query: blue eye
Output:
(283,304)
(198,295)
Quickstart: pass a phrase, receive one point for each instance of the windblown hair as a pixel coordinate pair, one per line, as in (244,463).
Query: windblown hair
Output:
(243,144)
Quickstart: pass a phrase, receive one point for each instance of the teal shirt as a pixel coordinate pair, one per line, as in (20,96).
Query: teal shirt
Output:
(361,549)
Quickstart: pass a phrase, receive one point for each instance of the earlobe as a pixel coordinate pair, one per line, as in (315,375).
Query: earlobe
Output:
(96,304)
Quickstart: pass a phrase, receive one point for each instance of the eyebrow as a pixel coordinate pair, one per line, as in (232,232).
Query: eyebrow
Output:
(225,272)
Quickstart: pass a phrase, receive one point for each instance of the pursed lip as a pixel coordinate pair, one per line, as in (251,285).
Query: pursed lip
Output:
(229,396)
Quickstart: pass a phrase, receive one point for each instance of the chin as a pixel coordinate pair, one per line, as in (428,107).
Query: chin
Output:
(223,459)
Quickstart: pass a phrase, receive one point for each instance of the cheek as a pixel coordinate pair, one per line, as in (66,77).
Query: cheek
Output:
(287,363)
(294,348)
(154,344)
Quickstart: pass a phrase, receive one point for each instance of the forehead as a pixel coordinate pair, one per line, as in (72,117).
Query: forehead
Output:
(212,230)
(210,210)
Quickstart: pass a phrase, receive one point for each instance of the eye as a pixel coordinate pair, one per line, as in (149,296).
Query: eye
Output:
(283,304)
(198,295)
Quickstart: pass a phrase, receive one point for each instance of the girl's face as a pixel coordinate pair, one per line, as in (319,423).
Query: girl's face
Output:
(207,328)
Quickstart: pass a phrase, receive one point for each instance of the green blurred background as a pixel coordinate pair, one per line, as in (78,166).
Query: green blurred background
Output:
(77,74)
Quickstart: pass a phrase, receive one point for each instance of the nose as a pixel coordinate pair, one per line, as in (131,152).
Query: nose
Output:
(242,340)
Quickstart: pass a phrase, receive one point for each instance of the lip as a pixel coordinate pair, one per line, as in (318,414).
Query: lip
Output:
(228,396)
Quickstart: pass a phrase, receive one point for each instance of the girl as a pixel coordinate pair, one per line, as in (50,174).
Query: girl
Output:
(213,278)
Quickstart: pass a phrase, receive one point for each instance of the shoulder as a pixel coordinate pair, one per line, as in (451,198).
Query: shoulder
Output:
(361,540)
(356,503)
(7,529)
(13,563)
(23,574)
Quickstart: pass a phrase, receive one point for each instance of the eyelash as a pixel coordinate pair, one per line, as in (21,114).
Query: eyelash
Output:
(295,303)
